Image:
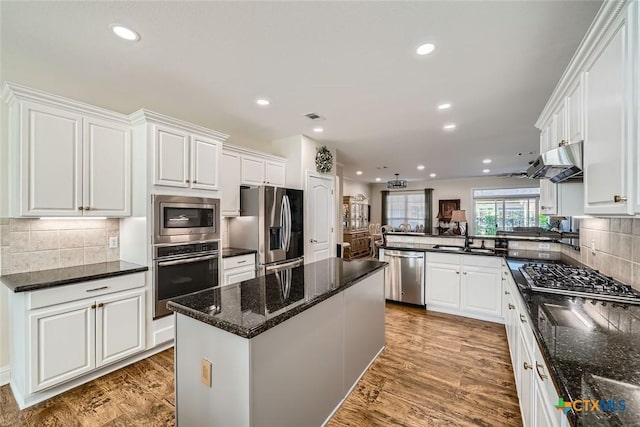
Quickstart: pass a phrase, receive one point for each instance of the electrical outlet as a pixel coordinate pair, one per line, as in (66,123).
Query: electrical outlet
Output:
(514,245)
(113,242)
(544,246)
(205,372)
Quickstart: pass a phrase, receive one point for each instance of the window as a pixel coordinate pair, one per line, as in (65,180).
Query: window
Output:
(505,208)
(407,207)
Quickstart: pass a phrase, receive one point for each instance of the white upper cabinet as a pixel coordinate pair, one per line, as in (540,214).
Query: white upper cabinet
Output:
(574,105)
(205,163)
(607,150)
(230,183)
(172,157)
(548,195)
(260,171)
(599,93)
(66,158)
(186,160)
(106,168)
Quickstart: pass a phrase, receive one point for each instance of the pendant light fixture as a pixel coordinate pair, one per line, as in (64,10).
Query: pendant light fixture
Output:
(395,184)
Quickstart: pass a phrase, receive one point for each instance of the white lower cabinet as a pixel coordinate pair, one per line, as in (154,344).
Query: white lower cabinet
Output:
(63,333)
(468,285)
(536,392)
(238,268)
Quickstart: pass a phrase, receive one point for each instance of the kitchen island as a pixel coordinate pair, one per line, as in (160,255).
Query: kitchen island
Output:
(285,349)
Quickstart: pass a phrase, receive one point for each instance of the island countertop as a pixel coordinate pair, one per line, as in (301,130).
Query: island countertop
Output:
(254,306)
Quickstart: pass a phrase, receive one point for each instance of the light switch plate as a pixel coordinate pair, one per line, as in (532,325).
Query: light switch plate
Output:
(113,242)
(205,372)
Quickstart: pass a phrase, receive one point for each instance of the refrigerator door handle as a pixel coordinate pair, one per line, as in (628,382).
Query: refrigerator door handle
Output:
(283,219)
(288,223)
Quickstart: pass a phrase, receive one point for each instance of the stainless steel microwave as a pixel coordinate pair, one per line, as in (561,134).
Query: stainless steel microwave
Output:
(180,219)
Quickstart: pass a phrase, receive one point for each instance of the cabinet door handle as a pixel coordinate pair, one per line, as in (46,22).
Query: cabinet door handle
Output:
(194,181)
(100,305)
(186,180)
(457,272)
(464,272)
(80,208)
(93,306)
(97,289)
(618,199)
(523,319)
(542,376)
(527,366)
(511,306)
(87,208)
(507,293)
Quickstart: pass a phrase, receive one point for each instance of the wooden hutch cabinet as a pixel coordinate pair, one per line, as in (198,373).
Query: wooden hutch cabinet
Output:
(355,223)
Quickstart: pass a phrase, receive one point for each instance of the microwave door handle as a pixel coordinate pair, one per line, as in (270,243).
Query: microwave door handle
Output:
(186,261)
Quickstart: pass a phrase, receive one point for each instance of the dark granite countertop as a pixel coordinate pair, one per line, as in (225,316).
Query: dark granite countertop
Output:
(231,252)
(423,247)
(254,306)
(592,348)
(34,280)
(551,238)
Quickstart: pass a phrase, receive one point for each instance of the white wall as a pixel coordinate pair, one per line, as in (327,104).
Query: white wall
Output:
(351,188)
(449,189)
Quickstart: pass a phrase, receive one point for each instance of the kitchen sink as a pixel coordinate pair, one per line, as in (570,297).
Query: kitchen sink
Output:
(461,249)
(449,248)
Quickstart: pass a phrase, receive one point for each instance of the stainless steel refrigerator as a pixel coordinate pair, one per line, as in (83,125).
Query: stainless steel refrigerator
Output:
(271,221)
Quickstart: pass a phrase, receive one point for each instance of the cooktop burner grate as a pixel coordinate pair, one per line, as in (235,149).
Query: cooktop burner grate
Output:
(577,281)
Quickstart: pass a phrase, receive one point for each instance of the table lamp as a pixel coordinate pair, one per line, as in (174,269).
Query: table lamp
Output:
(458,217)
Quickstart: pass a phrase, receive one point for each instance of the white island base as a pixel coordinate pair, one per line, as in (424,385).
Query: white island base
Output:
(294,374)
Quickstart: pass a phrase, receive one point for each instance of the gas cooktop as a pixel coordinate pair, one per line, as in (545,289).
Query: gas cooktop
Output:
(577,281)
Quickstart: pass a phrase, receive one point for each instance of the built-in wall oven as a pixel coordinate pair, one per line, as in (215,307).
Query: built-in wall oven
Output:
(186,247)
(183,269)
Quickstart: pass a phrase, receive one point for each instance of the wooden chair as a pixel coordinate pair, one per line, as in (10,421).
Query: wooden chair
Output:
(404,228)
(375,231)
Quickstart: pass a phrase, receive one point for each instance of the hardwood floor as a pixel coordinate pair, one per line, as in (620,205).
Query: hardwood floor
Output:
(436,370)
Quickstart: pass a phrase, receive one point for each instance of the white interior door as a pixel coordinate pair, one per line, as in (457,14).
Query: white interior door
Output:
(319,218)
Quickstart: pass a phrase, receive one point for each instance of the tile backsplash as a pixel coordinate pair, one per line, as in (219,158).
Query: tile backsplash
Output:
(42,244)
(617,247)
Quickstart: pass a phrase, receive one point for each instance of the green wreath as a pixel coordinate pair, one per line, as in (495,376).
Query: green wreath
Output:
(324,159)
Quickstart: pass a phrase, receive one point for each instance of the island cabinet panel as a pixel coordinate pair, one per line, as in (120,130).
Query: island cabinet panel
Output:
(364,328)
(297,368)
(226,402)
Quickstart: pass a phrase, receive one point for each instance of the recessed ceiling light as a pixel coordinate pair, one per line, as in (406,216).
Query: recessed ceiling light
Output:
(444,106)
(486,161)
(125,33)
(425,49)
(449,126)
(318,129)
(486,170)
(378,179)
(420,167)
(358,172)
(432,175)
(263,102)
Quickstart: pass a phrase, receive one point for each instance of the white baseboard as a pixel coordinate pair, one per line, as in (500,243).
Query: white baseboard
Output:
(5,375)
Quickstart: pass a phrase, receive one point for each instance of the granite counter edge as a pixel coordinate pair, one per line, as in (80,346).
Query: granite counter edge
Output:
(274,321)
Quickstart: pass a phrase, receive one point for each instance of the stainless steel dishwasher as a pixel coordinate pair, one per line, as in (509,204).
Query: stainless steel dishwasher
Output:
(404,278)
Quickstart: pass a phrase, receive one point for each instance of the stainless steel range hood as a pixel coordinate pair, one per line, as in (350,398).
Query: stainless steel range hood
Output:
(559,164)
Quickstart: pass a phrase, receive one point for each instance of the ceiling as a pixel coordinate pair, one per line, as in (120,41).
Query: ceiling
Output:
(354,63)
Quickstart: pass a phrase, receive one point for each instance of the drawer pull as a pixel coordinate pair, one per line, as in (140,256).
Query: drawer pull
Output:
(241,262)
(527,366)
(97,289)
(618,199)
(542,376)
(523,319)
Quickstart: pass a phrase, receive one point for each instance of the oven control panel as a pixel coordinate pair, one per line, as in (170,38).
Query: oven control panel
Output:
(186,249)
